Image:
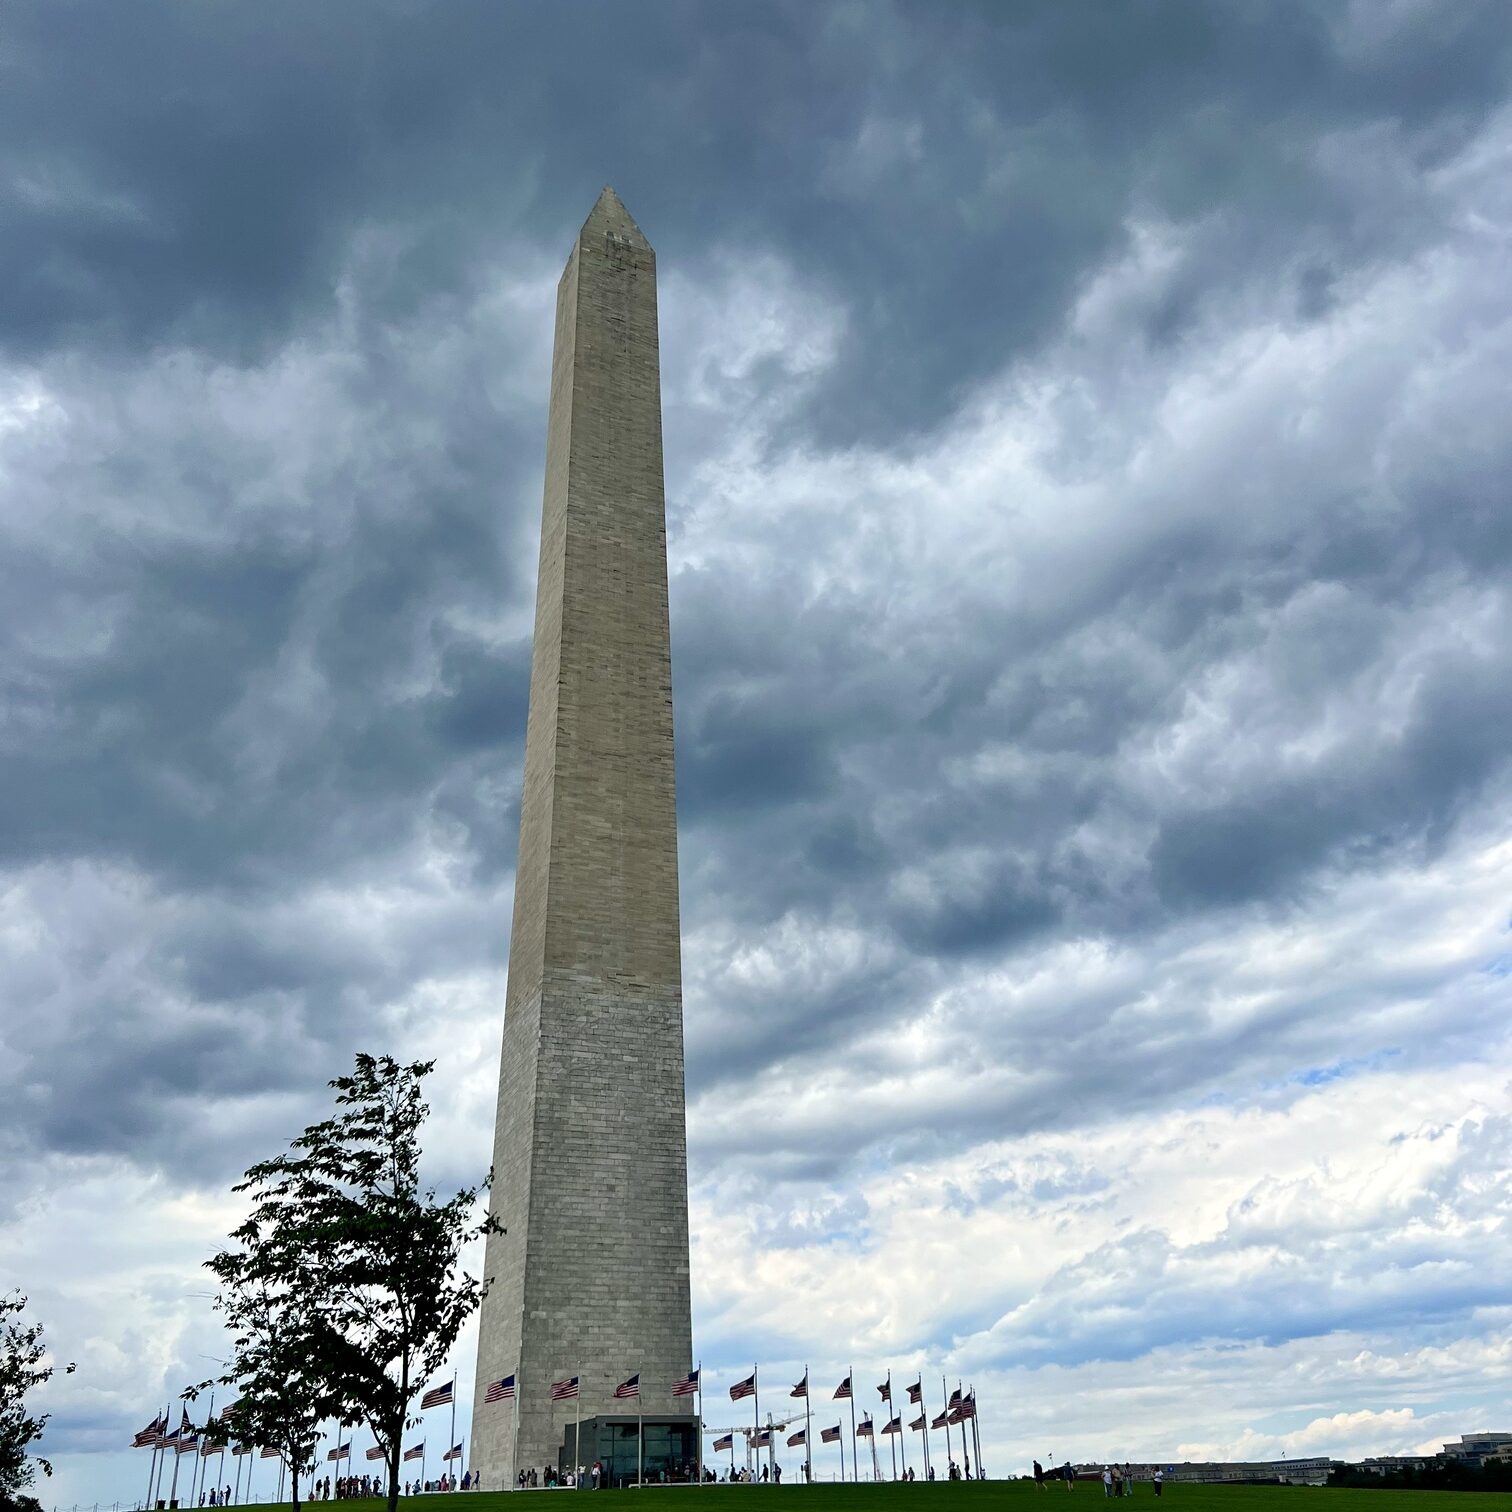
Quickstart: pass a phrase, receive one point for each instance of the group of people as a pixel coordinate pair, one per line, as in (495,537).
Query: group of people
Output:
(344,1487)
(551,1477)
(351,1487)
(743,1477)
(1117,1480)
(217,1498)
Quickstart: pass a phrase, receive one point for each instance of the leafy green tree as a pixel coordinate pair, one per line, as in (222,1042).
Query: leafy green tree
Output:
(23,1367)
(277,1335)
(342,1222)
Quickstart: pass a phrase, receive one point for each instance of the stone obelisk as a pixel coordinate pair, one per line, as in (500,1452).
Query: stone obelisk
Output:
(590,1152)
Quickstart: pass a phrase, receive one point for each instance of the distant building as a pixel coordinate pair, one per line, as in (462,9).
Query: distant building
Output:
(1395,1464)
(1474,1449)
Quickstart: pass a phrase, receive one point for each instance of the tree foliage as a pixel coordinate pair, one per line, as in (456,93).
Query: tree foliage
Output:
(348,1274)
(23,1367)
(277,1335)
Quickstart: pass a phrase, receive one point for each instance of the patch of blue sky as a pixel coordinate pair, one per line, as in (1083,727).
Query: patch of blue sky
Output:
(1340,1070)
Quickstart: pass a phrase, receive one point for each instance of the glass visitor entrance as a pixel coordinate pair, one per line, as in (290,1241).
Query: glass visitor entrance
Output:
(670,1451)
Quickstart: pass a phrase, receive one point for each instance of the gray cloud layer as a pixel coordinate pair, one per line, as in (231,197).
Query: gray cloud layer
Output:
(1087,480)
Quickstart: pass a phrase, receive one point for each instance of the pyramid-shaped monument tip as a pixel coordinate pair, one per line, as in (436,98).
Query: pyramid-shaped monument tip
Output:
(609,214)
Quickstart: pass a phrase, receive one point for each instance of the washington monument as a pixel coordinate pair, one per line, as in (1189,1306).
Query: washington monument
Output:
(590,1152)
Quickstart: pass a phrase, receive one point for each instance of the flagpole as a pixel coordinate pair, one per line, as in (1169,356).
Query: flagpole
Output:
(173,1488)
(640,1438)
(892,1446)
(698,1408)
(976,1433)
(451,1442)
(199,1455)
(154,1492)
(514,1457)
(902,1430)
(152,1461)
(945,1413)
(924,1434)
(808,1425)
(855,1460)
(756,1398)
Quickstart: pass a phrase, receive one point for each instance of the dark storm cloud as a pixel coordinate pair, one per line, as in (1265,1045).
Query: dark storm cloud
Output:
(270,599)
(183,176)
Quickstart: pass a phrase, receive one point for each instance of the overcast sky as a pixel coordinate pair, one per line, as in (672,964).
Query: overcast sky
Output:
(1087,459)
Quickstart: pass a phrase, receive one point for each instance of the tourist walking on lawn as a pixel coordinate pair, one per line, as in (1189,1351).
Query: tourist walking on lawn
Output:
(1039,1475)
(1158,1479)
(1107,1481)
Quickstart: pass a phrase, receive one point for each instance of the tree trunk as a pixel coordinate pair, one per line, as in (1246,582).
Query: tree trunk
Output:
(396,1449)
(294,1485)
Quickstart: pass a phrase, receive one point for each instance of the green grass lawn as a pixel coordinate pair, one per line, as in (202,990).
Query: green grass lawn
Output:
(980,1496)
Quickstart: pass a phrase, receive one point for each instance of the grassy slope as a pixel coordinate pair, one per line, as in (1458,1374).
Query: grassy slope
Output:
(977,1496)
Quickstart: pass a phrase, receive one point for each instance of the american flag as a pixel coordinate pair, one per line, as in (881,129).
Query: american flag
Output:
(269,1454)
(940,1421)
(727,1442)
(894,1425)
(186,1445)
(885,1391)
(341,1451)
(801,1389)
(376,1452)
(152,1434)
(830,1435)
(630,1388)
(842,1391)
(500,1391)
(687,1386)
(241,1449)
(865,1430)
(762,1440)
(968,1405)
(795,1439)
(916,1391)
(437,1396)
(565,1391)
(418,1452)
(455,1452)
(208,1448)
(744,1388)
(955,1398)
(918,1424)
